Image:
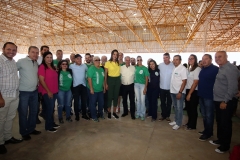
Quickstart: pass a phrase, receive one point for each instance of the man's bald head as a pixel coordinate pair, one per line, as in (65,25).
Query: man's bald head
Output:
(221,57)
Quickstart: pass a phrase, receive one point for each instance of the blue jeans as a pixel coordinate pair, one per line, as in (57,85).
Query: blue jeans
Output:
(64,100)
(207,111)
(27,108)
(141,109)
(178,107)
(97,97)
(50,104)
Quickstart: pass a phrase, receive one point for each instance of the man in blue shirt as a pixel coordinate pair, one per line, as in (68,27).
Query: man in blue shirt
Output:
(205,92)
(79,86)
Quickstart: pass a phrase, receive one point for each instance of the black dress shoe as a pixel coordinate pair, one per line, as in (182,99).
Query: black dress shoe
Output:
(38,121)
(3,149)
(124,114)
(35,132)
(77,118)
(26,137)
(133,117)
(13,141)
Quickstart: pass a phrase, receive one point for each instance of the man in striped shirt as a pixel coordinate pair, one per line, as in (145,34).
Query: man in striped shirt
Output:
(9,84)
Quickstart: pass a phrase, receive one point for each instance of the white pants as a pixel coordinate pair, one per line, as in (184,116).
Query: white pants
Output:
(7,114)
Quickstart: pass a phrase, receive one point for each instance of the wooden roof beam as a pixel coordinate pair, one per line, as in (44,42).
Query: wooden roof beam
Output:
(101,24)
(129,26)
(150,22)
(200,21)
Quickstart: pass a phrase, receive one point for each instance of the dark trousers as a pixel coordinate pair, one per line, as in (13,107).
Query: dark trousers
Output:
(27,109)
(41,102)
(191,107)
(152,94)
(128,90)
(50,104)
(114,84)
(166,102)
(207,110)
(105,95)
(224,124)
(78,91)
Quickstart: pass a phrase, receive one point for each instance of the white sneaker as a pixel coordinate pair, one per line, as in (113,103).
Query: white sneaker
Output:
(218,151)
(176,127)
(172,123)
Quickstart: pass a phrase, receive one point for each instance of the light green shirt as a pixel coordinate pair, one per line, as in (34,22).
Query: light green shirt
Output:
(28,71)
(55,62)
(97,76)
(140,74)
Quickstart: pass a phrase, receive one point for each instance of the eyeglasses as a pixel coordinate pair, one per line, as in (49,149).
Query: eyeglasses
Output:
(139,60)
(190,58)
(97,60)
(64,64)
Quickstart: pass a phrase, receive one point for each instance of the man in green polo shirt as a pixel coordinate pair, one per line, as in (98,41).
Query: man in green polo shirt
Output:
(59,55)
(95,88)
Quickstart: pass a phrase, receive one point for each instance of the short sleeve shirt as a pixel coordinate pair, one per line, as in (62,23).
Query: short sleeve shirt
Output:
(113,68)
(50,78)
(192,76)
(141,72)
(97,77)
(65,81)
(79,74)
(178,75)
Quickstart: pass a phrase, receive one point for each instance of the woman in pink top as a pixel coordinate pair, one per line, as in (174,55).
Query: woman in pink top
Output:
(48,87)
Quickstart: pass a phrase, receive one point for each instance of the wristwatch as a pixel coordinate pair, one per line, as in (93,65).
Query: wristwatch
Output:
(180,92)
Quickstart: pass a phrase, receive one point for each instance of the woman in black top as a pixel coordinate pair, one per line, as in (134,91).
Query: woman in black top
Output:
(153,89)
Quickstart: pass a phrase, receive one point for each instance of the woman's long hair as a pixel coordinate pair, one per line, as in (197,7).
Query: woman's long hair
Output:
(43,60)
(156,67)
(111,58)
(195,65)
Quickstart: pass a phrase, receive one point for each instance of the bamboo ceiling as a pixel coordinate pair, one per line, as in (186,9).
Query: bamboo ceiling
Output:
(142,26)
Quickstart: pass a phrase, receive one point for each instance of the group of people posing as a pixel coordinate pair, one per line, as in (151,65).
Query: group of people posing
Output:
(97,85)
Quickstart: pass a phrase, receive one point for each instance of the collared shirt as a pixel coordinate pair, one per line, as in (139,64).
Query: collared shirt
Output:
(79,74)
(9,81)
(206,81)
(165,75)
(113,68)
(193,75)
(179,74)
(39,60)
(28,70)
(226,83)
(127,74)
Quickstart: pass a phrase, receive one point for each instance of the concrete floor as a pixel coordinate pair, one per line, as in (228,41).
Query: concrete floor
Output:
(123,139)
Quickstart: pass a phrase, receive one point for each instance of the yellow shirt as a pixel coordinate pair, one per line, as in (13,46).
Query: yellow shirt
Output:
(113,69)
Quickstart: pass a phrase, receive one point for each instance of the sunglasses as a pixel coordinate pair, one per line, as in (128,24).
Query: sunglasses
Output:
(64,64)
(97,60)
(139,60)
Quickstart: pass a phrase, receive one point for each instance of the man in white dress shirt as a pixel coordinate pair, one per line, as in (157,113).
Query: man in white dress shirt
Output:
(127,78)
